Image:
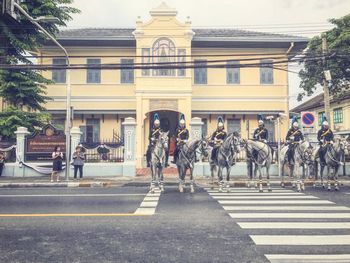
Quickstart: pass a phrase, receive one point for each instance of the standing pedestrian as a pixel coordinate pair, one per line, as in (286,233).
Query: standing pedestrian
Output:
(57,157)
(78,161)
(2,162)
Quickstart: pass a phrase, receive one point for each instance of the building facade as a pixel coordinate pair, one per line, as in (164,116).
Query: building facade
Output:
(225,77)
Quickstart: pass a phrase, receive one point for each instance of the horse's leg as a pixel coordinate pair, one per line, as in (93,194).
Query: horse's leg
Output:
(153,177)
(268,177)
(228,170)
(161,186)
(292,175)
(302,186)
(282,174)
(321,175)
(328,178)
(336,171)
(220,178)
(260,179)
(297,176)
(255,178)
(315,172)
(181,172)
(191,180)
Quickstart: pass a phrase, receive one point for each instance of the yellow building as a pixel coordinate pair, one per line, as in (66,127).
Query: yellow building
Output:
(224,77)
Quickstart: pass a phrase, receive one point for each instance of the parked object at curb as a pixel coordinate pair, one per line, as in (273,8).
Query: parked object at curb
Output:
(2,162)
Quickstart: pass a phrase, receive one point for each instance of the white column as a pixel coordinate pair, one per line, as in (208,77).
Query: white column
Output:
(21,134)
(129,165)
(75,134)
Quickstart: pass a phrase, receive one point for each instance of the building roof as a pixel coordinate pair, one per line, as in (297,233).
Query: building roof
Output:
(200,34)
(209,37)
(317,102)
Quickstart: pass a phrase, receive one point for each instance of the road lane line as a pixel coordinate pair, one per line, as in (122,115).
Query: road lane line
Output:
(283,258)
(290,215)
(278,202)
(301,240)
(294,225)
(286,208)
(257,194)
(75,215)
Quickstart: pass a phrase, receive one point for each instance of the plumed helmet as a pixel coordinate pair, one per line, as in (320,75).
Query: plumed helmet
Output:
(325,123)
(220,122)
(261,122)
(156,119)
(182,119)
(295,124)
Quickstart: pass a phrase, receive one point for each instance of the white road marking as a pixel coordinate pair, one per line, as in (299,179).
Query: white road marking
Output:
(278,202)
(149,204)
(286,208)
(71,195)
(294,225)
(341,258)
(301,240)
(265,197)
(257,194)
(234,190)
(290,215)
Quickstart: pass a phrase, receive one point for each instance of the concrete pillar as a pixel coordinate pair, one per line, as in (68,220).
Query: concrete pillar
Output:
(21,134)
(129,165)
(75,134)
(196,134)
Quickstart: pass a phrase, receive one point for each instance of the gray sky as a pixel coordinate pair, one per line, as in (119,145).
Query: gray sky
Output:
(307,16)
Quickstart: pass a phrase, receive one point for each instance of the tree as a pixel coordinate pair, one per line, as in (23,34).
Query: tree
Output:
(22,89)
(337,60)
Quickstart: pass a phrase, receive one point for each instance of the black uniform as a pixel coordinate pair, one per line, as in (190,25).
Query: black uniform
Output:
(153,137)
(324,137)
(298,136)
(260,134)
(217,138)
(182,135)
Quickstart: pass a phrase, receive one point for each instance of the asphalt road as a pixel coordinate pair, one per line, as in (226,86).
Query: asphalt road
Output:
(102,225)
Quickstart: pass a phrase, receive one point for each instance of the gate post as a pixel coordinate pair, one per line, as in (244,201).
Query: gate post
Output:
(196,134)
(21,134)
(129,165)
(75,134)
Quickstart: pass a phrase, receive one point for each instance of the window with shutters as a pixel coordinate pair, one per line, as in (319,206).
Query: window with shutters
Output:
(338,115)
(93,74)
(59,75)
(321,116)
(127,71)
(266,71)
(181,72)
(200,72)
(233,72)
(146,60)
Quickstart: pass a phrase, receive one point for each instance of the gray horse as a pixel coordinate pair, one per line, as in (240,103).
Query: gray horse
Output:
(225,158)
(187,158)
(302,158)
(158,161)
(334,157)
(262,159)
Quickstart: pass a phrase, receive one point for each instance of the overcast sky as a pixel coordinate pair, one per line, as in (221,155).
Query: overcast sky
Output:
(298,17)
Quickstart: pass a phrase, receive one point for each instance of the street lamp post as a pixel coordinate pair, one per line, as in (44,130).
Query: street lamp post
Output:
(68,91)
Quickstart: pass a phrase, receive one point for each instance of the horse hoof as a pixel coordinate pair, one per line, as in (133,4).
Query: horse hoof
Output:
(270,190)
(152,191)
(261,191)
(336,188)
(328,188)
(192,190)
(162,189)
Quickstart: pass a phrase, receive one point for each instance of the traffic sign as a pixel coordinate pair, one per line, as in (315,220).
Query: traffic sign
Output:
(308,119)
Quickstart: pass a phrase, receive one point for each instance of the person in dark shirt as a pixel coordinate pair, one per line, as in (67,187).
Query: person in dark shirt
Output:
(153,137)
(182,136)
(294,136)
(217,138)
(325,137)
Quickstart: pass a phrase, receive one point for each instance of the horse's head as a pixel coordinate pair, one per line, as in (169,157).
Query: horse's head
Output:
(236,142)
(163,140)
(306,151)
(204,148)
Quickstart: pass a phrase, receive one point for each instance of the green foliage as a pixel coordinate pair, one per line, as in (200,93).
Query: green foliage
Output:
(338,61)
(26,88)
(12,118)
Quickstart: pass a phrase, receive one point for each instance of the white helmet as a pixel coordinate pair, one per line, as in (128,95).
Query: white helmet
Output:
(295,124)
(220,124)
(182,121)
(325,123)
(157,121)
(261,122)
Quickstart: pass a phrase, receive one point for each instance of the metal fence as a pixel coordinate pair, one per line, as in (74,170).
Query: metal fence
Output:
(105,151)
(8,148)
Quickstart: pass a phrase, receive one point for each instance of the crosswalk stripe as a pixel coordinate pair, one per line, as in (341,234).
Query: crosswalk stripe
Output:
(265,197)
(286,208)
(282,258)
(290,215)
(294,225)
(233,190)
(315,202)
(257,194)
(301,240)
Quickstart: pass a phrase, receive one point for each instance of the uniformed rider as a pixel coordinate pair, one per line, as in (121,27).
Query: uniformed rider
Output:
(217,138)
(294,136)
(260,134)
(325,137)
(153,137)
(182,136)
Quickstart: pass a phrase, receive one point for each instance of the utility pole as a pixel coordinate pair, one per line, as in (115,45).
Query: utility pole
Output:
(325,81)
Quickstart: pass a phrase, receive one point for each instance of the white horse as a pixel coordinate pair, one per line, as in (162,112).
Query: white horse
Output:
(262,159)
(302,158)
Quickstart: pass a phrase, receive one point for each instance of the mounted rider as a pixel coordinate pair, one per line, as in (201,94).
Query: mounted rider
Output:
(217,138)
(153,137)
(182,136)
(293,138)
(325,137)
(260,134)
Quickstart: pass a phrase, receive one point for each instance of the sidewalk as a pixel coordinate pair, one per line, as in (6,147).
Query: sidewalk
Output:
(44,181)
